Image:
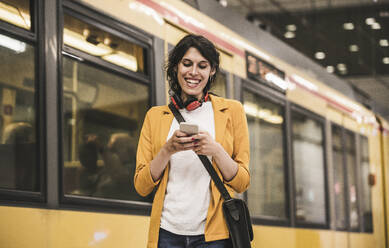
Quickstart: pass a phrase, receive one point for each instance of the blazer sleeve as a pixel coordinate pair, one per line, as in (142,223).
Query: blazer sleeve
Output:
(143,181)
(241,149)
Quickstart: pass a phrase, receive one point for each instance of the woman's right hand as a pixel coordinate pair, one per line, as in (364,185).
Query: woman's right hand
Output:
(179,141)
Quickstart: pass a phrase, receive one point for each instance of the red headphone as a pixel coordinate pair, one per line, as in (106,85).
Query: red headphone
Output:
(190,104)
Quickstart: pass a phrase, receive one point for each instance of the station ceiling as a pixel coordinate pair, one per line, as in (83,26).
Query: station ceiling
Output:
(348,38)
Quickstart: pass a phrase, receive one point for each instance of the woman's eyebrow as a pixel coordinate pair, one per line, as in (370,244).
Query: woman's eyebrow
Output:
(202,61)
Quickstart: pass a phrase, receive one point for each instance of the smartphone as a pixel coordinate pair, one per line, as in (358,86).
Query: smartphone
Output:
(189,128)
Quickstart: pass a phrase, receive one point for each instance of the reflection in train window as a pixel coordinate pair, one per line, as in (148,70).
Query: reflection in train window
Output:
(96,42)
(308,155)
(366,190)
(339,178)
(352,180)
(18,151)
(266,195)
(220,85)
(103,113)
(16,12)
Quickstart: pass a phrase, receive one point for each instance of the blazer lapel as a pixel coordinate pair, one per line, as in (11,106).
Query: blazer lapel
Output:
(166,122)
(219,106)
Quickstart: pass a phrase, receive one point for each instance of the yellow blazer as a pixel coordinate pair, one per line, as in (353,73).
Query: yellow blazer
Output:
(231,132)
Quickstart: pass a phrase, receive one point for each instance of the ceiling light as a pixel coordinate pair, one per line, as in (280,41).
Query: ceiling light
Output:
(250,108)
(353,48)
(122,59)
(330,69)
(384,43)
(348,26)
(223,3)
(15,45)
(376,25)
(385,60)
(370,21)
(264,114)
(86,32)
(78,41)
(291,27)
(275,119)
(289,35)
(341,67)
(13,15)
(320,55)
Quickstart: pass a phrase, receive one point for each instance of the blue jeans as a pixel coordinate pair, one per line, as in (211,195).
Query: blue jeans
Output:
(171,240)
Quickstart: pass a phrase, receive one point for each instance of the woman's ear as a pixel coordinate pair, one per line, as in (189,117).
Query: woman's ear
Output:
(213,71)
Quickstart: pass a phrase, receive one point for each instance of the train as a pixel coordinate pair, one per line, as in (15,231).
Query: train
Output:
(77,78)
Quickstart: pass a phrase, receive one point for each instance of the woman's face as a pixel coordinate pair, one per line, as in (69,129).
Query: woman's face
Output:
(193,73)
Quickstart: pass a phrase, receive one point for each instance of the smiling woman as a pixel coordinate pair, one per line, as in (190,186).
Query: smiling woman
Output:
(168,157)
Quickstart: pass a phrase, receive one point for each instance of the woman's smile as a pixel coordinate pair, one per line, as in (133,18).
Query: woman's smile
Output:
(192,83)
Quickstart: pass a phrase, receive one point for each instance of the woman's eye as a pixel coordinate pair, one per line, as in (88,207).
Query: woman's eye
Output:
(187,64)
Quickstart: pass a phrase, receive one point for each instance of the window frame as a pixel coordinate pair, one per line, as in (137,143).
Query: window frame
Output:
(306,112)
(126,32)
(275,97)
(345,179)
(112,26)
(357,180)
(33,38)
(359,147)
(36,21)
(356,145)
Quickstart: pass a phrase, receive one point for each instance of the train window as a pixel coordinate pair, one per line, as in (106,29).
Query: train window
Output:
(103,113)
(266,195)
(19,169)
(366,190)
(16,12)
(352,180)
(220,85)
(97,42)
(308,154)
(339,174)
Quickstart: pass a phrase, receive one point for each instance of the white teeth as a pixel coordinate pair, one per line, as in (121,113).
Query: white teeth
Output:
(193,81)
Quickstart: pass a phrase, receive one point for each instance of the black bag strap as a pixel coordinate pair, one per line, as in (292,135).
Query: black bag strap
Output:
(204,159)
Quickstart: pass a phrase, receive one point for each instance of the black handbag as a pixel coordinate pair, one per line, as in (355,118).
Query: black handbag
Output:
(235,210)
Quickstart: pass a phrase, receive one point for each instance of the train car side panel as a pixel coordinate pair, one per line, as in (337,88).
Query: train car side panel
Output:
(30,227)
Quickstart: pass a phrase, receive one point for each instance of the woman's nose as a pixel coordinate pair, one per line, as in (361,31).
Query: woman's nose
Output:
(194,70)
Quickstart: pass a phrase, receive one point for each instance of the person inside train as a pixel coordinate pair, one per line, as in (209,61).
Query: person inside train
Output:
(119,165)
(90,172)
(187,207)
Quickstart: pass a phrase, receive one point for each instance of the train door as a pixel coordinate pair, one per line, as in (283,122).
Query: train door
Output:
(352,194)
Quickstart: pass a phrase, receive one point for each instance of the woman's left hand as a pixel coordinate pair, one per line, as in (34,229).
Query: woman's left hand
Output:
(205,145)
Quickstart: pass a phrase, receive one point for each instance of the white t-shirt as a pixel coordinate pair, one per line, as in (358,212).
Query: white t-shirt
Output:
(188,194)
